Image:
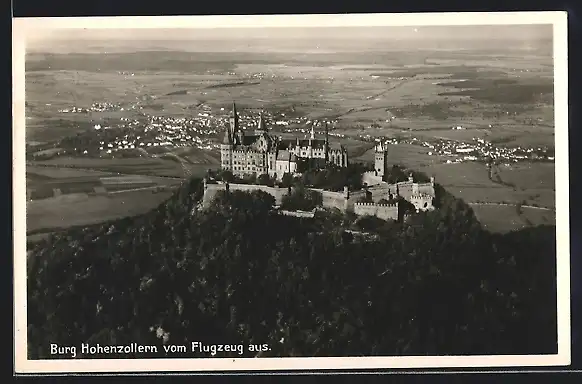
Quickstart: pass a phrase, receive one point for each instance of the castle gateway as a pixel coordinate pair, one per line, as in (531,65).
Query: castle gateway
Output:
(244,153)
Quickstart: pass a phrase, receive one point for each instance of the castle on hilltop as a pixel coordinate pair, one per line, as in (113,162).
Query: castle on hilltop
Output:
(245,153)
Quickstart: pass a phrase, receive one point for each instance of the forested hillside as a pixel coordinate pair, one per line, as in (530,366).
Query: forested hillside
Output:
(239,273)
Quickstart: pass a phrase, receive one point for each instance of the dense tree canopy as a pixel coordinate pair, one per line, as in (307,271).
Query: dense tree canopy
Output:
(238,272)
(301,199)
(335,178)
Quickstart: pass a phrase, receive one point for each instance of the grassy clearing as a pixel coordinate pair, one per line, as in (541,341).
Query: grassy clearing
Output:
(65,211)
(146,166)
(61,173)
(412,156)
(499,218)
(468,174)
(470,182)
(533,216)
(73,181)
(529,175)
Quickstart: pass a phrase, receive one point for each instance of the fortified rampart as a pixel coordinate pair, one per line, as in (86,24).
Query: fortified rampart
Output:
(381,211)
(380,191)
(343,201)
(210,190)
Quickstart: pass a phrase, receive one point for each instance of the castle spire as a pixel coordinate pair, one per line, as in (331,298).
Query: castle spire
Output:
(312,133)
(233,119)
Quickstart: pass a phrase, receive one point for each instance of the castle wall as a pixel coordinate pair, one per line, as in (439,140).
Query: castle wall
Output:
(338,199)
(380,191)
(332,199)
(426,188)
(353,199)
(212,190)
(405,189)
(329,199)
(381,211)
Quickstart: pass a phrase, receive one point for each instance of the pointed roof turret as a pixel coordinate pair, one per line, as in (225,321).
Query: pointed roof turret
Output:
(312,133)
(234,114)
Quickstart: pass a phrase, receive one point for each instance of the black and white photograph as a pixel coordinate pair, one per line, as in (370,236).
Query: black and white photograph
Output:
(236,193)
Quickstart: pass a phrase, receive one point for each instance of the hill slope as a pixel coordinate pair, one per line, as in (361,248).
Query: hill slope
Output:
(239,273)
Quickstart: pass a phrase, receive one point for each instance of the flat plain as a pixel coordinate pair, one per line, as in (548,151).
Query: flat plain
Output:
(495,95)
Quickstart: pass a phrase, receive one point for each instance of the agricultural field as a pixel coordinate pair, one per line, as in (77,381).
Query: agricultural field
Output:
(134,165)
(498,218)
(64,211)
(494,203)
(63,197)
(99,188)
(42,182)
(409,155)
(470,182)
(535,182)
(529,175)
(506,218)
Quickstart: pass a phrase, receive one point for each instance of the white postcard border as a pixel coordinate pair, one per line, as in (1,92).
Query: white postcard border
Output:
(23,27)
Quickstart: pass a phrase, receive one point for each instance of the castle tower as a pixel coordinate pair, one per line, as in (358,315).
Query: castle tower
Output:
(346,198)
(345,157)
(226,148)
(311,138)
(233,121)
(381,159)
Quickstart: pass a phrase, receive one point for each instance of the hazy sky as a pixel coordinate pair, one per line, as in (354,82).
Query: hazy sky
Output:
(189,38)
(420,32)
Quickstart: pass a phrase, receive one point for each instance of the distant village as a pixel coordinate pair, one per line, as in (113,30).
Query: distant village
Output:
(201,129)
